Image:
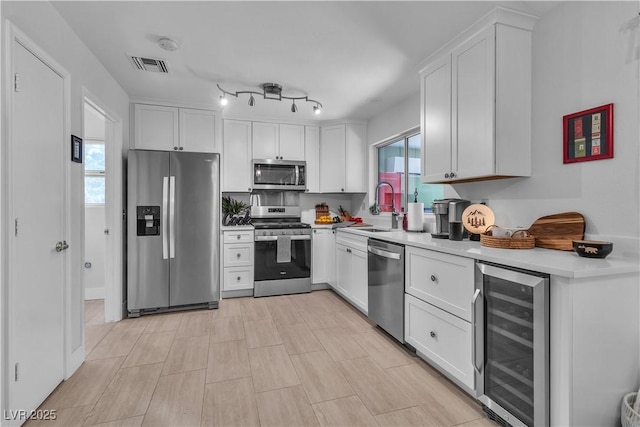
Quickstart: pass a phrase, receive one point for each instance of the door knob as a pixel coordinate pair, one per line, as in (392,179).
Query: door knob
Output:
(433,334)
(61,246)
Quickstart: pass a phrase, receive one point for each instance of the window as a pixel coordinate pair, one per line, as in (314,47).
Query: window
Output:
(94,168)
(394,158)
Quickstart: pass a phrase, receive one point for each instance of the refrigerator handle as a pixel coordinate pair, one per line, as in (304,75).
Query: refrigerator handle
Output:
(165,243)
(474,357)
(172,217)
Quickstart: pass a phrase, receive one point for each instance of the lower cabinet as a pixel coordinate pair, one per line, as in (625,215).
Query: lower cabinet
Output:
(323,243)
(442,337)
(237,260)
(351,270)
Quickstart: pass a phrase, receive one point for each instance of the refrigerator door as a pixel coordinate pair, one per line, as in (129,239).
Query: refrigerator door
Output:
(148,270)
(194,228)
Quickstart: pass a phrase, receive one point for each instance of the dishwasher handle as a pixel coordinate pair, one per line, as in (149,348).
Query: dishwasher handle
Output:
(382,253)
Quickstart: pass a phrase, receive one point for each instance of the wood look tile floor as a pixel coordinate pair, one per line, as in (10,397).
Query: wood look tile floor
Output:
(296,360)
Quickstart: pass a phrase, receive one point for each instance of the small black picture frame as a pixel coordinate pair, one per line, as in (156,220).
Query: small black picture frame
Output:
(76,149)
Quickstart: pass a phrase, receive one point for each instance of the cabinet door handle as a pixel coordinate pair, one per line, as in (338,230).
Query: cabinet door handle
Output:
(238,237)
(452,175)
(434,278)
(315,231)
(181,148)
(474,301)
(175,148)
(238,278)
(433,334)
(238,255)
(342,189)
(446,175)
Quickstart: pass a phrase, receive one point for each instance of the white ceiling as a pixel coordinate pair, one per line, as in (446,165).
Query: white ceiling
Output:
(357,58)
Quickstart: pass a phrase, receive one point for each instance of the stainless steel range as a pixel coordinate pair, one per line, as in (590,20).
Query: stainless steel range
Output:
(282,251)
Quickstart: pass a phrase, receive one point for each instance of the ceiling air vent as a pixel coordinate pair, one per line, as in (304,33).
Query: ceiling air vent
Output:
(149,64)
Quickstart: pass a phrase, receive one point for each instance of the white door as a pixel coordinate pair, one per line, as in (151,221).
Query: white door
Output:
(236,148)
(197,130)
(332,159)
(265,140)
(292,142)
(39,148)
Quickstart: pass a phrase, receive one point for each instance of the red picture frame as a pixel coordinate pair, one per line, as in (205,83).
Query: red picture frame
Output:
(588,135)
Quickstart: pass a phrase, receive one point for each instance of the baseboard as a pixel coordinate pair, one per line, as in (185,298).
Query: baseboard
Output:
(237,294)
(93,293)
(74,361)
(319,286)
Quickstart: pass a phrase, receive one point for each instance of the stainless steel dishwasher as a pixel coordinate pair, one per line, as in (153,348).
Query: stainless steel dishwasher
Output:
(386,286)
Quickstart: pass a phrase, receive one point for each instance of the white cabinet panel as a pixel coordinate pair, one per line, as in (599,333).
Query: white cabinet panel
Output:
(197,130)
(236,156)
(343,271)
(332,159)
(444,280)
(155,127)
(292,142)
(359,280)
(236,255)
(237,278)
(323,250)
(443,338)
(351,270)
(356,167)
(240,236)
(312,157)
(265,140)
(278,141)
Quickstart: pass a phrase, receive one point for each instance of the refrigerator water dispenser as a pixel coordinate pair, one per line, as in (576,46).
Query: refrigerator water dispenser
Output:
(148,220)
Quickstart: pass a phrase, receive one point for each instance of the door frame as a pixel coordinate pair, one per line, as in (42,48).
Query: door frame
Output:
(71,359)
(113,297)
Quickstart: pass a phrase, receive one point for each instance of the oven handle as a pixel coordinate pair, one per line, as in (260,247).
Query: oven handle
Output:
(474,301)
(274,238)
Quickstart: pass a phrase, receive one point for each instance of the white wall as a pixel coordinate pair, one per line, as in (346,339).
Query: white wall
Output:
(585,54)
(42,23)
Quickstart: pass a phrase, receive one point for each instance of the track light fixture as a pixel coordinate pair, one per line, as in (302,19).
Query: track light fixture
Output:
(271,91)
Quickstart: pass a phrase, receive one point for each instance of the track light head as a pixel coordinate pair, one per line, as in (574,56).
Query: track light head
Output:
(223,100)
(294,108)
(252,101)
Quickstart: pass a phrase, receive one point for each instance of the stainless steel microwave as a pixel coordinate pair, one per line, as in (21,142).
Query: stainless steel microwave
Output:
(272,174)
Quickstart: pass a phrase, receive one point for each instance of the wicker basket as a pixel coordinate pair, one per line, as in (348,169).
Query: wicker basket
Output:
(521,239)
(629,417)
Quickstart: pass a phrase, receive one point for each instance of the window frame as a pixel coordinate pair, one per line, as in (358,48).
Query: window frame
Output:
(94,173)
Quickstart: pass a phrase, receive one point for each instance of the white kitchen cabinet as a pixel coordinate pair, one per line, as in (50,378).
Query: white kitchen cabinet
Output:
(278,141)
(439,288)
(164,128)
(476,103)
(351,270)
(442,337)
(323,243)
(444,280)
(237,260)
(312,157)
(236,156)
(343,158)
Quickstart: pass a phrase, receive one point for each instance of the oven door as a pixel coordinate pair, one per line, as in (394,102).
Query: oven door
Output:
(280,271)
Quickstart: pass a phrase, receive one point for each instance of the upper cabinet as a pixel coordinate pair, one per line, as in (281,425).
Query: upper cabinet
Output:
(343,158)
(164,128)
(236,156)
(312,157)
(278,141)
(476,102)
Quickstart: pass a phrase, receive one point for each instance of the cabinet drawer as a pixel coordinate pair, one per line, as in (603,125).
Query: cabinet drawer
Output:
(352,241)
(240,236)
(446,281)
(444,339)
(238,255)
(237,278)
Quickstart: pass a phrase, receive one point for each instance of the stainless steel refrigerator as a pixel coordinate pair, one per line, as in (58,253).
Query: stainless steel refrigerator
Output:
(173,231)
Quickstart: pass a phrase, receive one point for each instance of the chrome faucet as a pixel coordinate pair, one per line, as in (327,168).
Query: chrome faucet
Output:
(376,205)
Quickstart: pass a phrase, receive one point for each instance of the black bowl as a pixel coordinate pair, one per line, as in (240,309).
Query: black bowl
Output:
(592,248)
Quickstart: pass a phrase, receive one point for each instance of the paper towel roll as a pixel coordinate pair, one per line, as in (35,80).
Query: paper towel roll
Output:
(415,216)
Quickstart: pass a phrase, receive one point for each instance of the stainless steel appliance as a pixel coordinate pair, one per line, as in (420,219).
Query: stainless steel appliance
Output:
(282,262)
(386,286)
(446,211)
(173,230)
(271,174)
(511,344)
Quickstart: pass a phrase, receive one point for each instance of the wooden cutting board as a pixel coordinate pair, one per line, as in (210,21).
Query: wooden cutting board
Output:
(557,231)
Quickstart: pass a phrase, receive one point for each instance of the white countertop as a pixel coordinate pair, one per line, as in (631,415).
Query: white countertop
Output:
(561,263)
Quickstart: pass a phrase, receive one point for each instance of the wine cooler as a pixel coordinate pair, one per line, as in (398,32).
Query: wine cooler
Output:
(511,344)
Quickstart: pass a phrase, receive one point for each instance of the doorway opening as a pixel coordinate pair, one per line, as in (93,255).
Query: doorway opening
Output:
(103,227)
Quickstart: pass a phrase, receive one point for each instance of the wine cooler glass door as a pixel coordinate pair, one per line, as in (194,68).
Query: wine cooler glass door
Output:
(514,369)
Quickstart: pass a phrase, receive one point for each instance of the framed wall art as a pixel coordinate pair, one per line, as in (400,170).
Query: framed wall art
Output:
(76,149)
(588,135)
